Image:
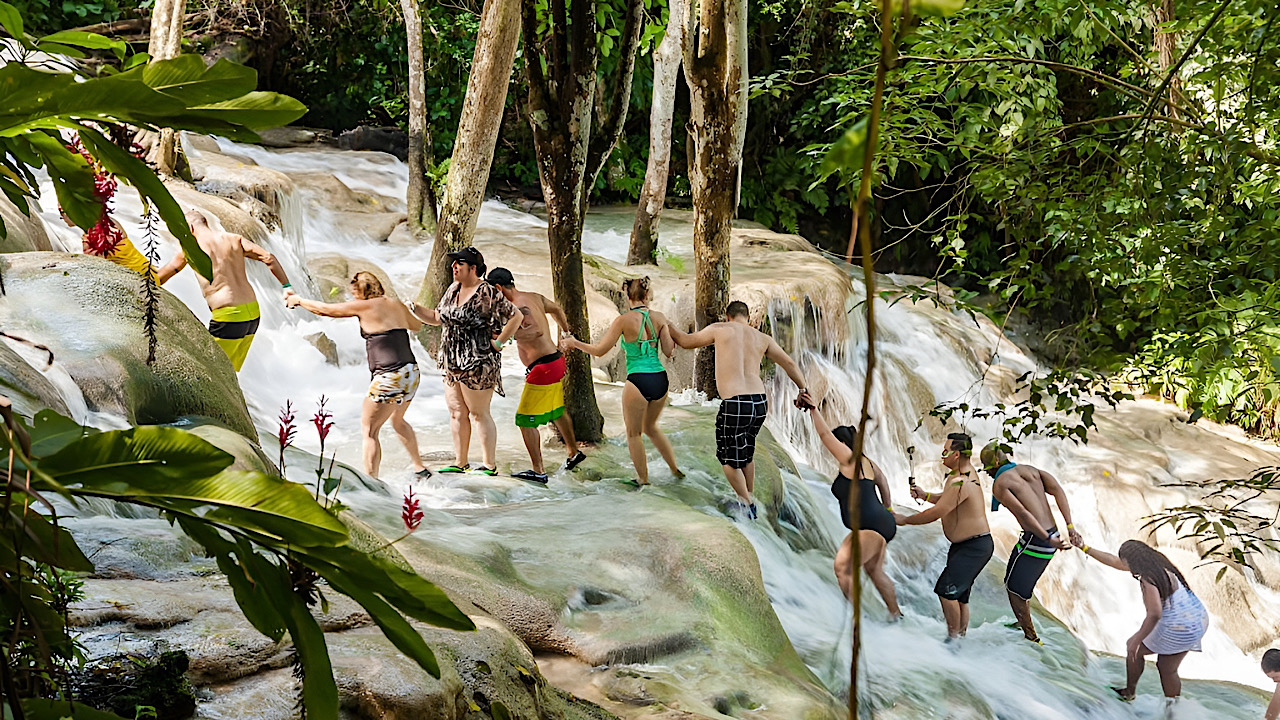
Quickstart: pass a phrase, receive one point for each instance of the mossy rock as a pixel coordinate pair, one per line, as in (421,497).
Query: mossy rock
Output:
(88,311)
(22,233)
(29,391)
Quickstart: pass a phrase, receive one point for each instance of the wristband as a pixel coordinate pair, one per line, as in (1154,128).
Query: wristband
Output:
(1085,548)
(286,286)
(1070,526)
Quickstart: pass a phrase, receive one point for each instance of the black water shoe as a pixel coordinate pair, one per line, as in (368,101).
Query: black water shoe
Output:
(574,461)
(531,476)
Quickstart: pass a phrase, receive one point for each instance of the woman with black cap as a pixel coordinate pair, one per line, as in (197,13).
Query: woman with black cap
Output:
(476,322)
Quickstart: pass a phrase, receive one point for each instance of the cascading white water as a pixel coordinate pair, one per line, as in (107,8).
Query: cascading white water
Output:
(925,358)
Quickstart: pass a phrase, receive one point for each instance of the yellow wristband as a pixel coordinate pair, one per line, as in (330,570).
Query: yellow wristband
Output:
(1085,548)
(1070,526)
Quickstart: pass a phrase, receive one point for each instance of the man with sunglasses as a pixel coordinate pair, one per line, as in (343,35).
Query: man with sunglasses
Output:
(964,522)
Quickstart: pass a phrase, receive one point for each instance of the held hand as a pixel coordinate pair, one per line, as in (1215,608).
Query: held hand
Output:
(1075,537)
(566,343)
(804,401)
(1059,542)
(900,519)
(288,293)
(292,299)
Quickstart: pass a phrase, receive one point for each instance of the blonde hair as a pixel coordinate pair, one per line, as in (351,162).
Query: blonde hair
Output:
(636,289)
(368,284)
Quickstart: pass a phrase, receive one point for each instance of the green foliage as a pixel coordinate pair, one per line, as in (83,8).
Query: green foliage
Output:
(262,530)
(39,104)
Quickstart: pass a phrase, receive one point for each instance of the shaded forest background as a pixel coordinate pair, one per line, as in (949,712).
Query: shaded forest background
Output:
(1104,172)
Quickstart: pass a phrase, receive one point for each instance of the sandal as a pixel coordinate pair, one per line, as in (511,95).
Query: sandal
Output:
(633,482)
(490,471)
(1119,691)
(574,461)
(454,469)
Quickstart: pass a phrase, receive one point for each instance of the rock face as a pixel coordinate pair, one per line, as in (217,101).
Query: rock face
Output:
(87,311)
(333,273)
(30,391)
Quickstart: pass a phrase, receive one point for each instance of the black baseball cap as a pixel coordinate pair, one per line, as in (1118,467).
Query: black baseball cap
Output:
(501,276)
(470,256)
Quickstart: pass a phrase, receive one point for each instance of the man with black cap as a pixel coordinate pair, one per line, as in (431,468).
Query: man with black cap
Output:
(542,400)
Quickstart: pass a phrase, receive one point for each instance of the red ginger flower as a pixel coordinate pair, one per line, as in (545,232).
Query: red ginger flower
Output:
(411,513)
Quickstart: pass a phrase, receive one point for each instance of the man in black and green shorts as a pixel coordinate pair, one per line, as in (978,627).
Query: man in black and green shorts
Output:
(1025,490)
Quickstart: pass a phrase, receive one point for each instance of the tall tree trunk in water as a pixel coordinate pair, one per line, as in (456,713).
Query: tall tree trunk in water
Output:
(1167,51)
(477,136)
(561,68)
(421,198)
(666,67)
(715,66)
(167,18)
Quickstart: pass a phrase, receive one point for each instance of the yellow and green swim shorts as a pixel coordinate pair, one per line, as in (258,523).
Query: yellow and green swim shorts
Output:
(233,329)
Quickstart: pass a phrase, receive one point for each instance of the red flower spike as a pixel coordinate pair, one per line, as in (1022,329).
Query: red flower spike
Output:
(287,429)
(411,513)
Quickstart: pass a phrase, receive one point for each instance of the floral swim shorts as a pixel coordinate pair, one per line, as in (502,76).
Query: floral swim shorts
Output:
(395,386)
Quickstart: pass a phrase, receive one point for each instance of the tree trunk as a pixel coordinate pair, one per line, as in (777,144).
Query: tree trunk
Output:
(1167,51)
(716,70)
(420,199)
(165,43)
(477,136)
(653,195)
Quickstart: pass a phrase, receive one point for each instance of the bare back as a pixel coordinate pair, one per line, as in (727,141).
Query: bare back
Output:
(380,314)
(230,284)
(533,339)
(740,349)
(632,325)
(1027,485)
(969,518)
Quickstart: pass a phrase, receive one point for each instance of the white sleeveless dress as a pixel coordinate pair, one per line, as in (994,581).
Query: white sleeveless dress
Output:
(1182,625)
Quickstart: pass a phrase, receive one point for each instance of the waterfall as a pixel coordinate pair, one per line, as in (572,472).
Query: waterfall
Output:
(928,354)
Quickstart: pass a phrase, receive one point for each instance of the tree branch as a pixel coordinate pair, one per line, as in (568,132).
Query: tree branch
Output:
(1159,94)
(610,132)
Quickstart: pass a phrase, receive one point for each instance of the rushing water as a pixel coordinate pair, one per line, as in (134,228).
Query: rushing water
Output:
(927,356)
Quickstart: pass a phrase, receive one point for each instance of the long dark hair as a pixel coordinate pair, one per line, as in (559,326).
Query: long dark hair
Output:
(1149,564)
(847,434)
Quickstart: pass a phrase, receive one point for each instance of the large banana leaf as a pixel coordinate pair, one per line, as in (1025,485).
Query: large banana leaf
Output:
(255,110)
(146,460)
(137,174)
(50,432)
(188,79)
(319,691)
(393,625)
(250,595)
(407,591)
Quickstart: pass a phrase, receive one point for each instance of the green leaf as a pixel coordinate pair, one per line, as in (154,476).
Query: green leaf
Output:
(255,110)
(187,78)
(401,634)
(252,598)
(137,174)
(45,542)
(92,41)
(406,591)
(146,460)
(42,709)
(281,508)
(847,154)
(72,179)
(50,432)
(11,20)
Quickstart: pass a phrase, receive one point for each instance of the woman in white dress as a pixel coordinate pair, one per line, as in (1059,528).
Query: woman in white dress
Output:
(1176,620)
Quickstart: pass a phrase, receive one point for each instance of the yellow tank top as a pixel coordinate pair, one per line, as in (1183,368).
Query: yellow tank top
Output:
(126,255)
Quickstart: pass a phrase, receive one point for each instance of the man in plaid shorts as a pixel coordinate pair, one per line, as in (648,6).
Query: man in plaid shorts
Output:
(740,349)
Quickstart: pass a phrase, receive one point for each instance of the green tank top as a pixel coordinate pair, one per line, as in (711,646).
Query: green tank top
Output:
(642,355)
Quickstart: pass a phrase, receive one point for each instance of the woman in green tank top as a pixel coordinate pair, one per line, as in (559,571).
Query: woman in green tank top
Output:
(641,332)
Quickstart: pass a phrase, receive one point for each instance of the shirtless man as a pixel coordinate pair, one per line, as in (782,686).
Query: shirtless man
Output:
(740,349)
(229,294)
(964,522)
(542,400)
(1024,490)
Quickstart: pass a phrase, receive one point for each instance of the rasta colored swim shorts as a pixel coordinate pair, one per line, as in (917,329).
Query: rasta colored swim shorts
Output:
(233,329)
(542,400)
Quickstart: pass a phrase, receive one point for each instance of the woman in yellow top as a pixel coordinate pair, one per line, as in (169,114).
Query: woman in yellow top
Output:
(124,254)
